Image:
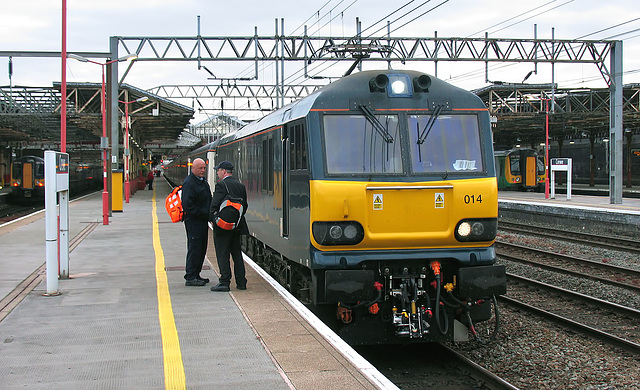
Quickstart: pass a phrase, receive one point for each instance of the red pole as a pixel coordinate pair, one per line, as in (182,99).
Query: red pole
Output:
(127,188)
(63,103)
(105,193)
(546,148)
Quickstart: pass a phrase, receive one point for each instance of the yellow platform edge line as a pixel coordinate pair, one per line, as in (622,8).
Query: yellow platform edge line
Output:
(173,367)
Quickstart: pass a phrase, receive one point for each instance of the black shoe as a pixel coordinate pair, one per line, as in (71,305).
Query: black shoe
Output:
(241,287)
(205,280)
(220,287)
(195,282)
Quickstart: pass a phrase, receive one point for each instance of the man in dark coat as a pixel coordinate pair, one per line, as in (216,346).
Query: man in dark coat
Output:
(196,200)
(227,242)
(150,180)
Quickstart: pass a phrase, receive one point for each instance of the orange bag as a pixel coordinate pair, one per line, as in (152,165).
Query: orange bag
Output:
(173,204)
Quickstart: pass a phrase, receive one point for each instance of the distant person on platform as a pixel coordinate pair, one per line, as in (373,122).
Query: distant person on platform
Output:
(196,199)
(227,242)
(150,180)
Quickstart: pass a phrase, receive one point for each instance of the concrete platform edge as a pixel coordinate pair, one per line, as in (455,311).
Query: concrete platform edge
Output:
(371,373)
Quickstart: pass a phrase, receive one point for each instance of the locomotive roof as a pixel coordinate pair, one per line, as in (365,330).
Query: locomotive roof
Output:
(355,88)
(499,153)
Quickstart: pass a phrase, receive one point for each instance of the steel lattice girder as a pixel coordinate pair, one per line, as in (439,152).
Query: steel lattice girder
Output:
(308,48)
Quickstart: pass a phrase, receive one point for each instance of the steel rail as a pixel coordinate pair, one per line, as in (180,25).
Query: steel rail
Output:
(608,242)
(604,336)
(602,266)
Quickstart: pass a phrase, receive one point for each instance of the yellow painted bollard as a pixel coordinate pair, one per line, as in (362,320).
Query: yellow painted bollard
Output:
(117,190)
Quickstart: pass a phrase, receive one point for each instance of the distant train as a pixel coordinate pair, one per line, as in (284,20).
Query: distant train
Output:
(374,201)
(520,169)
(27,178)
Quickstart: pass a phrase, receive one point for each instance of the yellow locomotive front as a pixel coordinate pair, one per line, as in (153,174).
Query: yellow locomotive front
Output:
(403,214)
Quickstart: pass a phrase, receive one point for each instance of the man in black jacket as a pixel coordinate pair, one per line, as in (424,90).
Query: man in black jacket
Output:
(227,242)
(196,199)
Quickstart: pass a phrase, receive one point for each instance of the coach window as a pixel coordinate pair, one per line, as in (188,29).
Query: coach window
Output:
(448,143)
(267,165)
(298,146)
(354,145)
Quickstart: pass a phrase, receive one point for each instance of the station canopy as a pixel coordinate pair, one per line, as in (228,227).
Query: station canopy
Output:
(30,117)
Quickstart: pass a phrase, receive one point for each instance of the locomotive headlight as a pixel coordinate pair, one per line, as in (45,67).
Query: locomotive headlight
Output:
(350,232)
(337,233)
(477,229)
(464,229)
(399,86)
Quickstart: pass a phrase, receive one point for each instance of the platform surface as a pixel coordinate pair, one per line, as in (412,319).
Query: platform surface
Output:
(126,320)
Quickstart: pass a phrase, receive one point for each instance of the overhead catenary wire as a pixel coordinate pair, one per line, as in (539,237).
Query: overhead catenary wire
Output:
(371,26)
(532,16)
(398,9)
(608,28)
(265,65)
(510,19)
(412,20)
(323,66)
(493,68)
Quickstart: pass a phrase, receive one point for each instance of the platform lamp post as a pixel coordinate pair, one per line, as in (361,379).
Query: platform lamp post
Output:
(546,148)
(125,144)
(103,141)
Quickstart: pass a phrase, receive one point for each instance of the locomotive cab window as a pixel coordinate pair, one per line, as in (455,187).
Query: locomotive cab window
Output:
(17,169)
(445,143)
(540,167)
(39,170)
(359,144)
(515,164)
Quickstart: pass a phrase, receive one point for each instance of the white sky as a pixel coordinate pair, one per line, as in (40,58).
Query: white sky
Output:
(36,25)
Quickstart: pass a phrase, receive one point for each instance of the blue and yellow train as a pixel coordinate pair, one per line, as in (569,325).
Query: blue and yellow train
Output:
(374,201)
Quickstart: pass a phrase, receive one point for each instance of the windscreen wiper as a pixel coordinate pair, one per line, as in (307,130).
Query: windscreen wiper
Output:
(384,133)
(429,125)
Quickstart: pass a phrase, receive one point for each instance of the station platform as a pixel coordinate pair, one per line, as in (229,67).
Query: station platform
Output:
(580,210)
(124,318)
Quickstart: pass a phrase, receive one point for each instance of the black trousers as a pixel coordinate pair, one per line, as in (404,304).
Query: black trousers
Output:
(228,245)
(197,237)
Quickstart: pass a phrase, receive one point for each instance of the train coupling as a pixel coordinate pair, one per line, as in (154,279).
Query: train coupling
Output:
(413,324)
(411,314)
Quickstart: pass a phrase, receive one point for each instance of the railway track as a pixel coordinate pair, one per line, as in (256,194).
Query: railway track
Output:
(9,213)
(430,366)
(599,240)
(588,269)
(610,322)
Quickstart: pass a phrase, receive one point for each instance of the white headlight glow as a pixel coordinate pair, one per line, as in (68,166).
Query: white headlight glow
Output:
(464,229)
(398,87)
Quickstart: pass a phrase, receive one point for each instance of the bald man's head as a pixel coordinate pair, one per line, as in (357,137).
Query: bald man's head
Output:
(199,167)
